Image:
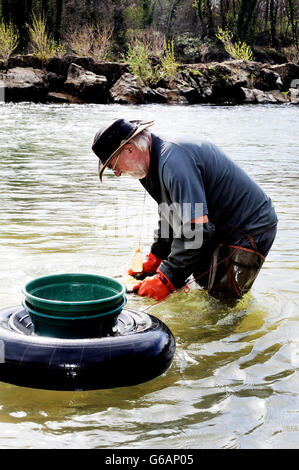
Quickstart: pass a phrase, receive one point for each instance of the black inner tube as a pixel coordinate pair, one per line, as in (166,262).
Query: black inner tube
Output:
(141,348)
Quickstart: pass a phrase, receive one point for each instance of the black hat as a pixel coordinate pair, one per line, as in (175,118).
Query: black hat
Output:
(112,137)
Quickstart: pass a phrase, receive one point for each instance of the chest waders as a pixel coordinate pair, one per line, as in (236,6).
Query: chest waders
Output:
(233,270)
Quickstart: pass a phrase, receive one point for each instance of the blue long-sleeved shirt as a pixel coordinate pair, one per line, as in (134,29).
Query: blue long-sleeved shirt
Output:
(195,178)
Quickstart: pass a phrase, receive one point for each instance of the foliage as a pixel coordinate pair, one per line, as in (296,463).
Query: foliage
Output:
(169,66)
(139,64)
(260,23)
(8,40)
(238,50)
(153,40)
(90,40)
(43,45)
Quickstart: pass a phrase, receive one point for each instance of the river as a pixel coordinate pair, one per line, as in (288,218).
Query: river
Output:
(234,380)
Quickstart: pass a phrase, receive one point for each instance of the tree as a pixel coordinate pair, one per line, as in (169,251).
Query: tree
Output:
(205,14)
(59,8)
(245,17)
(294,23)
(273,19)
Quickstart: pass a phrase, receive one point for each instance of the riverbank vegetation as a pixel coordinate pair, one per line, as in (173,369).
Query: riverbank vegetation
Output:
(188,31)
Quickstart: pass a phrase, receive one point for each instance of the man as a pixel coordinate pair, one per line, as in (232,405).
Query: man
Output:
(215,222)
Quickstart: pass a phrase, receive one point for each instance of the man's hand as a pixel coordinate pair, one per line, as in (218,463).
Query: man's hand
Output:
(157,287)
(149,267)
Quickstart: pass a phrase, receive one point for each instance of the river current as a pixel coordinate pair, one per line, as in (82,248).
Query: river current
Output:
(234,381)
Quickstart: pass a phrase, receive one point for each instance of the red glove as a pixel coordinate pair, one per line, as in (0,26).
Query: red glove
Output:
(158,287)
(150,266)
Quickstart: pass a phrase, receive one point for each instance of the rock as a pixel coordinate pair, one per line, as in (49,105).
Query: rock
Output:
(81,79)
(226,82)
(289,74)
(264,97)
(278,96)
(128,90)
(24,84)
(86,85)
(254,95)
(27,60)
(153,96)
(172,96)
(56,97)
(55,81)
(61,65)
(190,93)
(265,79)
(112,70)
(249,74)
(247,95)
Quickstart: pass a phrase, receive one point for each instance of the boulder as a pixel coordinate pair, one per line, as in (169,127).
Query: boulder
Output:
(86,85)
(112,70)
(128,90)
(225,82)
(253,95)
(57,97)
(24,84)
(55,81)
(289,74)
(27,60)
(172,96)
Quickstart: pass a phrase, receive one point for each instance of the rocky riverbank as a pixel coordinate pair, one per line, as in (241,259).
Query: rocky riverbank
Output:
(81,80)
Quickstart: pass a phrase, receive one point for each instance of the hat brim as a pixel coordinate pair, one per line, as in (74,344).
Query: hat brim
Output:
(142,126)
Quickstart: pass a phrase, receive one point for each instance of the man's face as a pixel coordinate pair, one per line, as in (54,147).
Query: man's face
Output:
(129,161)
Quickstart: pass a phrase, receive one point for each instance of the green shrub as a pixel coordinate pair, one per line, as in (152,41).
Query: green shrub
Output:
(169,66)
(43,46)
(238,50)
(8,40)
(139,63)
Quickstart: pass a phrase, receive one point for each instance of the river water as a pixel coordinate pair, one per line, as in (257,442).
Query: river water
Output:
(234,380)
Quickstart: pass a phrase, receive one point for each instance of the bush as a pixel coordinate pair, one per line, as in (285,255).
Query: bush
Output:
(237,50)
(169,66)
(153,40)
(139,64)
(43,46)
(90,41)
(8,40)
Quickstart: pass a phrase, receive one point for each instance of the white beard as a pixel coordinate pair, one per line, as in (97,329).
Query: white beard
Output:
(138,173)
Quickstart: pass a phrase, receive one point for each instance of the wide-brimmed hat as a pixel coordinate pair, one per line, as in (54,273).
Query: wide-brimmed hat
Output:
(112,138)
